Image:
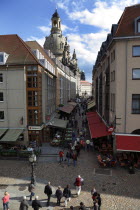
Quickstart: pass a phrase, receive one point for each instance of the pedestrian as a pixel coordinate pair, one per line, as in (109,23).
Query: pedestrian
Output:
(78,184)
(36,205)
(59,195)
(6,200)
(71,207)
(68,156)
(91,145)
(99,200)
(87,145)
(74,156)
(95,205)
(48,192)
(82,206)
(24,204)
(78,148)
(61,155)
(93,191)
(31,189)
(94,196)
(78,131)
(67,194)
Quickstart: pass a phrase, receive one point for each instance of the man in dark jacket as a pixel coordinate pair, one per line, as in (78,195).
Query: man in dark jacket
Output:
(48,192)
(82,206)
(36,205)
(24,205)
(67,194)
(59,195)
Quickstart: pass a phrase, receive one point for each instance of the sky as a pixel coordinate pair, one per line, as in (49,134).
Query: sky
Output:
(86,23)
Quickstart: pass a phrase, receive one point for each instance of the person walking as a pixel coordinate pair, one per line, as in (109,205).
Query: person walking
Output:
(59,195)
(82,206)
(78,184)
(36,205)
(68,156)
(74,156)
(67,194)
(87,145)
(61,155)
(31,189)
(48,192)
(99,201)
(24,204)
(6,200)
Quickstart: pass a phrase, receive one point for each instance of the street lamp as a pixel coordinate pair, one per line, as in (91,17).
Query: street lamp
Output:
(32,160)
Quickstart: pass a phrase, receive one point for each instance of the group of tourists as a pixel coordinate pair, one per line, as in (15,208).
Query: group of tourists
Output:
(59,194)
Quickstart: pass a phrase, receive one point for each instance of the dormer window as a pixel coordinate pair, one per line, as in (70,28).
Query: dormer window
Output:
(137,25)
(3,58)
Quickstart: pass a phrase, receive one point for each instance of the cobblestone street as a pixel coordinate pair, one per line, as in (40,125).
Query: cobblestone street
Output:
(118,189)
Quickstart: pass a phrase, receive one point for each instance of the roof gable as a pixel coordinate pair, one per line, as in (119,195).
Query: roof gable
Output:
(19,52)
(126,22)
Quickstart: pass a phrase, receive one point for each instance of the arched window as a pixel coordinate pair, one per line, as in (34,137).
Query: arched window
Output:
(55,23)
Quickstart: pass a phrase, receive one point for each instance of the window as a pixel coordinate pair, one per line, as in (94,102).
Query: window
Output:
(113,56)
(113,76)
(1,97)
(33,117)
(1,58)
(32,98)
(1,77)
(1,115)
(112,102)
(136,104)
(139,27)
(136,51)
(136,74)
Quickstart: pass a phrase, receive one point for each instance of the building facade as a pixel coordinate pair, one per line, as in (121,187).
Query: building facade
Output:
(85,89)
(116,74)
(24,88)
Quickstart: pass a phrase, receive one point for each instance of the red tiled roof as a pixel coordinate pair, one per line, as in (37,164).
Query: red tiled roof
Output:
(19,52)
(126,22)
(85,82)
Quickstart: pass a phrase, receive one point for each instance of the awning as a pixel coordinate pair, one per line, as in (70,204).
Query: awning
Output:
(2,131)
(91,104)
(58,123)
(11,135)
(125,142)
(67,108)
(96,126)
(72,103)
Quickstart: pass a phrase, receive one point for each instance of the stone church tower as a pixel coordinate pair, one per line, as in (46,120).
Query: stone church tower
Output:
(56,41)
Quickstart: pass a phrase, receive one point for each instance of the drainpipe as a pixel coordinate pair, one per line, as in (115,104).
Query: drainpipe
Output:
(125,111)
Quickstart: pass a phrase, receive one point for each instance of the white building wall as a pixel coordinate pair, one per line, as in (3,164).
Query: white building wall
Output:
(14,105)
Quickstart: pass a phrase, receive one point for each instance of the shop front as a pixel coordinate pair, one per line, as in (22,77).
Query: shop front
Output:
(100,133)
(36,135)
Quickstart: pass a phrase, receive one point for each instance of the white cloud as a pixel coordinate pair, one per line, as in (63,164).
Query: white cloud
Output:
(101,13)
(39,40)
(45,29)
(86,45)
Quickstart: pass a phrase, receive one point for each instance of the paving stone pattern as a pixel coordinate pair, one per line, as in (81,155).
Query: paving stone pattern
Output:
(119,191)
